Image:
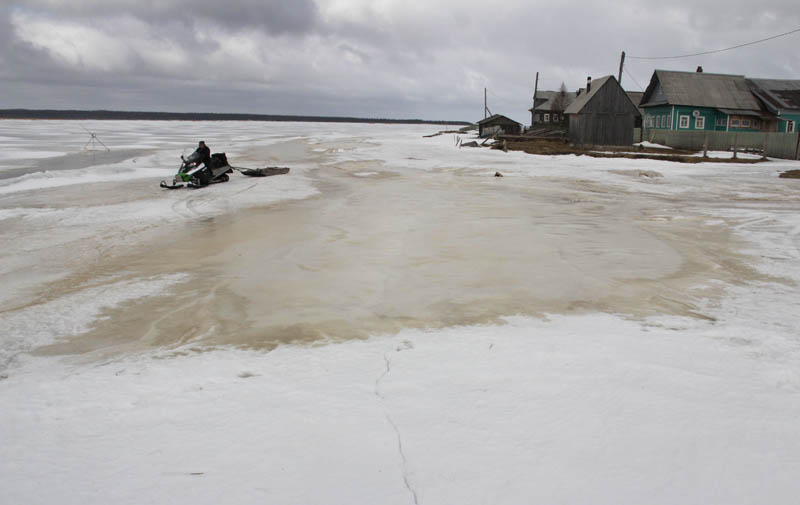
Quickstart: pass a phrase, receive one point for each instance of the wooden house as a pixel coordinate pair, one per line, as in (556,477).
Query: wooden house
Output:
(602,115)
(497,124)
(703,101)
(548,107)
(780,97)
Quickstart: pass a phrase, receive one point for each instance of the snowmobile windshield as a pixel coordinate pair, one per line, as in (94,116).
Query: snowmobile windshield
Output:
(193,158)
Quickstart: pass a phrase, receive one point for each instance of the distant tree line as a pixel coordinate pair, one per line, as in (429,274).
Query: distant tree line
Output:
(194,116)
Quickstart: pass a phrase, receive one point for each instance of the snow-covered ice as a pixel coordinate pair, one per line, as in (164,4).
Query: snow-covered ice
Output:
(388,323)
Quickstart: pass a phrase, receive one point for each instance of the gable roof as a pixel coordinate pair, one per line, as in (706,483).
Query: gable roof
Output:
(544,100)
(699,89)
(777,94)
(584,98)
(498,118)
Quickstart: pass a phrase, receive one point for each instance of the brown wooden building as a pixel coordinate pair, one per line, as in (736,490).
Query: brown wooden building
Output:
(602,115)
(498,124)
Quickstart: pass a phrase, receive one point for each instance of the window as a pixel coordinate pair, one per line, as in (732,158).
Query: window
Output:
(790,126)
(538,118)
(755,123)
(669,121)
(745,123)
(734,123)
(547,118)
(684,121)
(658,121)
(649,121)
(700,123)
(555,118)
(722,122)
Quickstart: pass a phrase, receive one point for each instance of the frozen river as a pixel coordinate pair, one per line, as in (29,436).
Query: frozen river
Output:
(388,323)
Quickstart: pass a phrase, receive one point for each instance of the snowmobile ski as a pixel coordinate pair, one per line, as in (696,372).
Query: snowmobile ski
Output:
(168,186)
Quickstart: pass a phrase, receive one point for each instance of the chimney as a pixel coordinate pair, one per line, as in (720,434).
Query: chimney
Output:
(699,69)
(589,84)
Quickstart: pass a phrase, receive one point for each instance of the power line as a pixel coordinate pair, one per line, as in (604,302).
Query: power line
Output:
(716,51)
(633,78)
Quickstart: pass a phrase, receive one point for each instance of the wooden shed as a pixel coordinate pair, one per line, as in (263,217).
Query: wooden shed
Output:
(602,115)
(498,124)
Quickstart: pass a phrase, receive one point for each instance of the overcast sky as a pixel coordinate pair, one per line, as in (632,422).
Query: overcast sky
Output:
(369,58)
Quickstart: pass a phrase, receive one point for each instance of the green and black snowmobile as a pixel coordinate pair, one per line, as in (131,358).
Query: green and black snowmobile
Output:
(193,173)
(196,174)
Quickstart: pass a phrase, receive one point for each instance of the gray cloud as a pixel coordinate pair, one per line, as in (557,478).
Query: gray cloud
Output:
(277,16)
(358,57)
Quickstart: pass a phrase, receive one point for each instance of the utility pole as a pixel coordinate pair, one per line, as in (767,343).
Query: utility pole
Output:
(485,105)
(535,89)
(621,63)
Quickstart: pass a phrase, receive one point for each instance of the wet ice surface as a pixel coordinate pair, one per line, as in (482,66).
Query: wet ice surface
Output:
(390,324)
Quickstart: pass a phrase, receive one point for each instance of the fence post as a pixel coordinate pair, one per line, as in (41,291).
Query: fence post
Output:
(705,147)
(766,144)
(735,144)
(797,150)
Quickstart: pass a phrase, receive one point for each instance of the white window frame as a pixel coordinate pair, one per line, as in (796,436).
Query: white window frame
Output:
(700,123)
(668,124)
(734,123)
(547,118)
(746,123)
(684,119)
(791,126)
(722,122)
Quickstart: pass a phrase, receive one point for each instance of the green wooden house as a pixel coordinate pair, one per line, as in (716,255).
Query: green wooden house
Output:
(782,98)
(703,101)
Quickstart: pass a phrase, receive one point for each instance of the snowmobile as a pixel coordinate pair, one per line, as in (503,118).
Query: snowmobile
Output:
(196,174)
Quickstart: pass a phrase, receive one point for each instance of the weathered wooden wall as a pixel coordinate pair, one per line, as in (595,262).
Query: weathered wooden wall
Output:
(607,119)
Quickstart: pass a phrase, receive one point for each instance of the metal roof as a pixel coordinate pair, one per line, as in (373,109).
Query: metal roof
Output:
(777,94)
(700,89)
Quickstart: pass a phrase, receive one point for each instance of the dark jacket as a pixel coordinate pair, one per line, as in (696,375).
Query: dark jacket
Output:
(205,154)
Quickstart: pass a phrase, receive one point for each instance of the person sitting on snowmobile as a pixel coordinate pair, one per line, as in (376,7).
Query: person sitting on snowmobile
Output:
(203,153)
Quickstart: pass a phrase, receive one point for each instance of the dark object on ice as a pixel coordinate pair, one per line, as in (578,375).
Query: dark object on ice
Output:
(262,172)
(498,174)
(469,144)
(197,170)
(790,174)
(194,172)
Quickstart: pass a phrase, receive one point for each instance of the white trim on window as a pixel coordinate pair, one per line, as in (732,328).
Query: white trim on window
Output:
(734,123)
(684,121)
(700,123)
(791,126)
(745,123)
(547,118)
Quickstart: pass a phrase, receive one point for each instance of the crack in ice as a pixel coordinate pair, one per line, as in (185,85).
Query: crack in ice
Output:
(400,449)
